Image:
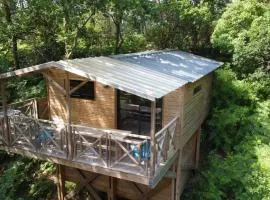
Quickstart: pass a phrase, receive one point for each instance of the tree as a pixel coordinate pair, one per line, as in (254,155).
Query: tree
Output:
(243,32)
(8,10)
(117,10)
(75,14)
(181,24)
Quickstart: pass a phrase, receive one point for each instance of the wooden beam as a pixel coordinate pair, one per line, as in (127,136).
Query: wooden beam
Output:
(5,110)
(57,85)
(21,72)
(143,194)
(153,139)
(173,177)
(88,186)
(60,182)
(138,178)
(178,176)
(81,186)
(161,172)
(78,87)
(112,188)
(68,117)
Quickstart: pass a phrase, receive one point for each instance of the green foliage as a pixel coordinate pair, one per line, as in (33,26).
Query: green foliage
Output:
(22,180)
(26,87)
(134,43)
(181,24)
(243,31)
(42,189)
(34,31)
(242,169)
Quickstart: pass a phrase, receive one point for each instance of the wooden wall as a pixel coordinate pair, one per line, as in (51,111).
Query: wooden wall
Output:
(196,107)
(100,112)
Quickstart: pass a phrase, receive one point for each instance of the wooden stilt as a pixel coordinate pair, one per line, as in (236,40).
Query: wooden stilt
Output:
(112,188)
(179,161)
(86,184)
(68,115)
(178,177)
(197,159)
(60,182)
(173,184)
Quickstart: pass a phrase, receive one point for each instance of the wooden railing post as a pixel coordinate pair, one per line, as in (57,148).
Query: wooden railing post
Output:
(35,107)
(68,118)
(5,111)
(153,139)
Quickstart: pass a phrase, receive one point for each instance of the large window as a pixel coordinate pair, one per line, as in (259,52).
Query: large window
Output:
(134,113)
(87,91)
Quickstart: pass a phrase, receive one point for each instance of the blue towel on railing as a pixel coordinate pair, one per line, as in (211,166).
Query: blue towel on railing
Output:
(145,151)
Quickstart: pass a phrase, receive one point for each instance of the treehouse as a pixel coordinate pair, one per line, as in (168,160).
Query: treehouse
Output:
(127,125)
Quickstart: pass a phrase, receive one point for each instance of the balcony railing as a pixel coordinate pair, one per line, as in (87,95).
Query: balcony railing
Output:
(107,148)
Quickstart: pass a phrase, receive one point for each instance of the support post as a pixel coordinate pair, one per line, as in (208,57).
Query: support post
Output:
(153,139)
(112,188)
(60,182)
(5,111)
(173,183)
(68,117)
(197,159)
(181,146)
(35,106)
(178,176)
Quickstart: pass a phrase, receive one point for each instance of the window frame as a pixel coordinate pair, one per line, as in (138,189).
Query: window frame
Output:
(197,89)
(83,95)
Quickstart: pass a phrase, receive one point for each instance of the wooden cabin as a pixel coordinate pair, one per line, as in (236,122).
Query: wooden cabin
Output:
(127,125)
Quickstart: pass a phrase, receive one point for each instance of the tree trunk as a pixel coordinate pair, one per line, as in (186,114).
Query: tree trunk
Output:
(15,52)
(117,37)
(7,8)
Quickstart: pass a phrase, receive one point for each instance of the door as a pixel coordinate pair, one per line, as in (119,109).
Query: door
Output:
(134,113)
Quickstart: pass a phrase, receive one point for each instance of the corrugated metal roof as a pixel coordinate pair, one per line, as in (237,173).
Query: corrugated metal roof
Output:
(150,75)
(178,64)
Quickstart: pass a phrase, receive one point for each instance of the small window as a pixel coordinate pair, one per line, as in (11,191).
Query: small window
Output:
(197,89)
(87,91)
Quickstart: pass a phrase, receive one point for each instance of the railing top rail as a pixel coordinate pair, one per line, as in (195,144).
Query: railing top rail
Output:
(167,126)
(25,101)
(115,132)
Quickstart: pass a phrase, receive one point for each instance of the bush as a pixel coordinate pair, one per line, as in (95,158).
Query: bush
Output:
(22,180)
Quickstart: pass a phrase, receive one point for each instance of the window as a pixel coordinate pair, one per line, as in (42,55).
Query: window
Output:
(134,113)
(197,89)
(87,91)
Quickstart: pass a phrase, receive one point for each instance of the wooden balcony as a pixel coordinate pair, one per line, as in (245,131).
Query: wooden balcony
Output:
(110,152)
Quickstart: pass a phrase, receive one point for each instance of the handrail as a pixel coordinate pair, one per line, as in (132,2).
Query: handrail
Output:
(164,141)
(166,127)
(110,148)
(25,101)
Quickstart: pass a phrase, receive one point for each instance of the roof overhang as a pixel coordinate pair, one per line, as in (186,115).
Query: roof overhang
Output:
(149,77)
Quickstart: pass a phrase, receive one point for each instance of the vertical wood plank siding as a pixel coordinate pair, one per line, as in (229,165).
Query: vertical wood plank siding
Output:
(99,112)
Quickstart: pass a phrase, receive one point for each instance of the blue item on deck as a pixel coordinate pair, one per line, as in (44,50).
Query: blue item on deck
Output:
(145,151)
(43,135)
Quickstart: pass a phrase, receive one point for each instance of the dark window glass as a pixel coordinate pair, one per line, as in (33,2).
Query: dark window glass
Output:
(197,89)
(87,91)
(134,113)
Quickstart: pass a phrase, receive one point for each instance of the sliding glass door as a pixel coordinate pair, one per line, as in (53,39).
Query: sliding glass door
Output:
(134,113)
